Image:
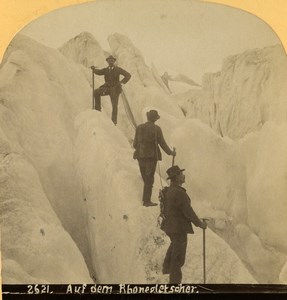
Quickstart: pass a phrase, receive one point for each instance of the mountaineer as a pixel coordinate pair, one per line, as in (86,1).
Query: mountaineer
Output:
(112,85)
(176,223)
(147,138)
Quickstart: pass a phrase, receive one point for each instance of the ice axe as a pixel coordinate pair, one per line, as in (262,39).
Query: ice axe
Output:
(204,261)
(173,157)
(93,80)
(93,83)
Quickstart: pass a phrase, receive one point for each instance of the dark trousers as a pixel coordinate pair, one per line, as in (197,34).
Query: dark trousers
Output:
(147,169)
(114,93)
(175,257)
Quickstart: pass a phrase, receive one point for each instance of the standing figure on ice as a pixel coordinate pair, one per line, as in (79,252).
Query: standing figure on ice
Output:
(147,138)
(112,86)
(178,215)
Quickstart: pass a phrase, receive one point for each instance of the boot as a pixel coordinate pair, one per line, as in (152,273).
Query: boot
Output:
(149,204)
(147,191)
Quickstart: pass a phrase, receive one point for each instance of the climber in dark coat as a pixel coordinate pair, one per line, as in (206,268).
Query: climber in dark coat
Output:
(147,138)
(112,86)
(177,224)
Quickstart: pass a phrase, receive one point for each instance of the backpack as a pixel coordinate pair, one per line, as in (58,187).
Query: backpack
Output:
(162,205)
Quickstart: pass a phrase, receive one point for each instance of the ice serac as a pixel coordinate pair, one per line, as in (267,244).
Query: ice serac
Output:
(246,101)
(105,169)
(144,89)
(266,187)
(178,83)
(158,79)
(41,92)
(127,246)
(241,186)
(35,248)
(185,79)
(85,50)
(249,91)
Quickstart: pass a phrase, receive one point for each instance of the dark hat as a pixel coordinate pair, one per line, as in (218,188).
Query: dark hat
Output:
(152,115)
(110,57)
(173,171)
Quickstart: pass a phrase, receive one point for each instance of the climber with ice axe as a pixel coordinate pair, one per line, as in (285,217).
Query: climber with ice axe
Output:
(178,216)
(112,86)
(148,138)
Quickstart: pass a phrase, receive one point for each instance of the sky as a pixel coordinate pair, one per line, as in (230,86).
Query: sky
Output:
(178,36)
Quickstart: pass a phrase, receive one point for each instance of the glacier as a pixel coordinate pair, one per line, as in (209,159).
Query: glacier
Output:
(71,191)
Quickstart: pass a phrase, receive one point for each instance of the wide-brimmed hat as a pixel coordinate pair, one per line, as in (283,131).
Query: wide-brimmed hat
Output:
(173,171)
(111,57)
(152,115)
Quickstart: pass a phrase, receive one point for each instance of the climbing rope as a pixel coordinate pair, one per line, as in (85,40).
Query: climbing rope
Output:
(128,110)
(158,165)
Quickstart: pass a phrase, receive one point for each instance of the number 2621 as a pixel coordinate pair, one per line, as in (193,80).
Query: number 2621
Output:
(38,289)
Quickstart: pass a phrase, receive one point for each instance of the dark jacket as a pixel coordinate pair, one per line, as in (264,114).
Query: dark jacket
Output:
(112,77)
(178,212)
(147,138)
